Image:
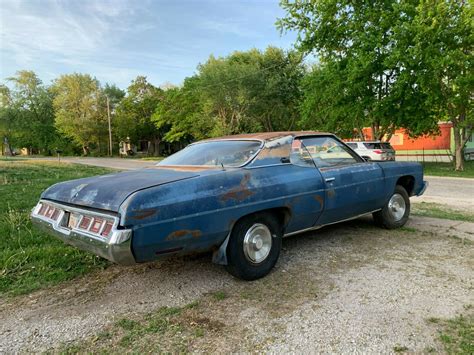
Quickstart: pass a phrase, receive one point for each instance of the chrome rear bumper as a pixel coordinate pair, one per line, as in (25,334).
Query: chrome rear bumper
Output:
(116,248)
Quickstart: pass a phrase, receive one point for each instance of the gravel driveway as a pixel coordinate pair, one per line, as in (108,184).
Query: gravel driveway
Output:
(347,288)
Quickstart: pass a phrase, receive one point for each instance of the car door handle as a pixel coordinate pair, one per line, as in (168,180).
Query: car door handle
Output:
(331,179)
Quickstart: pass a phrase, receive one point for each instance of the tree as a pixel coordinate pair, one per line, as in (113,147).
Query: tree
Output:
(80,109)
(134,112)
(34,115)
(243,92)
(7,119)
(444,45)
(364,77)
(182,112)
(251,91)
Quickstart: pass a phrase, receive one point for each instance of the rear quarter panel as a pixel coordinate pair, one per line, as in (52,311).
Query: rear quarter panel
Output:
(393,171)
(197,214)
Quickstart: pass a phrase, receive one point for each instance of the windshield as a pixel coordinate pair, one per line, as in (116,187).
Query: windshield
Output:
(215,153)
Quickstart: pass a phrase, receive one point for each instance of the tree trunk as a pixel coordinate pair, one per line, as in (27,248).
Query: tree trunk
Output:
(156,144)
(85,150)
(458,146)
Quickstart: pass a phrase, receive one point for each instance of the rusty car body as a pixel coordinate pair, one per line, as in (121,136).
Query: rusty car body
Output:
(236,196)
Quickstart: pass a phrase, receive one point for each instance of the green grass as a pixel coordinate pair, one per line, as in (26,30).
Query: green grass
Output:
(447,169)
(457,334)
(31,259)
(166,330)
(435,210)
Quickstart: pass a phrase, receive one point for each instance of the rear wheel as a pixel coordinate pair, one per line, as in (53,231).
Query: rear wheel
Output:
(396,211)
(254,246)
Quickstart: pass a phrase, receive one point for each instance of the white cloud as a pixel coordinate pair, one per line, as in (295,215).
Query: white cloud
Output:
(67,31)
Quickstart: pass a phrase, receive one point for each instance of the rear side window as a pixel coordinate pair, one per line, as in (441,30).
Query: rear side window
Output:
(324,152)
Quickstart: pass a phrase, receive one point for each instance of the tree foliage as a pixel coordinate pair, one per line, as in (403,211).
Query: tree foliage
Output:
(134,114)
(365,75)
(80,110)
(444,37)
(243,92)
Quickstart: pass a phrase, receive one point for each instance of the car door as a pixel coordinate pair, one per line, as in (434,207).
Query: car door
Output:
(352,185)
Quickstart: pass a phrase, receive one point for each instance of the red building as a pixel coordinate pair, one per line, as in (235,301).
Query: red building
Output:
(431,147)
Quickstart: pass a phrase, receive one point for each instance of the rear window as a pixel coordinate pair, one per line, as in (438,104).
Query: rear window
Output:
(378,145)
(373,145)
(230,153)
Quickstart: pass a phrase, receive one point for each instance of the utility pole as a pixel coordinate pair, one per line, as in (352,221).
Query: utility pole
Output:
(110,128)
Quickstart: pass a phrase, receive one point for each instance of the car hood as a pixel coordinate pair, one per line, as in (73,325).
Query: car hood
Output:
(108,192)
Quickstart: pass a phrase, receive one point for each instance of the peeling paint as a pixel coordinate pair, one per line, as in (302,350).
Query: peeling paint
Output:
(196,233)
(240,192)
(319,199)
(143,214)
(331,193)
(75,191)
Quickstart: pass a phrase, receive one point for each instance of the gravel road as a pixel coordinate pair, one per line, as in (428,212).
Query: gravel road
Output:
(347,288)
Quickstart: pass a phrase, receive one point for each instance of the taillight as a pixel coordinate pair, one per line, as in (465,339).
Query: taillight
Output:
(378,151)
(55,214)
(107,229)
(96,225)
(43,209)
(49,211)
(85,223)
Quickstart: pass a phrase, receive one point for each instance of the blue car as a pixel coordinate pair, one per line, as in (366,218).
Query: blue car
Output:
(236,196)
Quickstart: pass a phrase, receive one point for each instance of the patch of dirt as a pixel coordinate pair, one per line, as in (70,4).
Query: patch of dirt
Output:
(352,287)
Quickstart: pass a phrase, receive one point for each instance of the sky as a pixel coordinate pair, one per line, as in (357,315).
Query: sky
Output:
(116,40)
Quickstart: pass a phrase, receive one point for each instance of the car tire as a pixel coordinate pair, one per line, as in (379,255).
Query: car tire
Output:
(396,211)
(254,246)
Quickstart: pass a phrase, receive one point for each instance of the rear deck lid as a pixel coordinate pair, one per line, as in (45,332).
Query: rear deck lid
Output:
(108,192)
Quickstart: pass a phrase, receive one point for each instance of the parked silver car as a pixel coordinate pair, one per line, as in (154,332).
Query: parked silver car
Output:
(373,150)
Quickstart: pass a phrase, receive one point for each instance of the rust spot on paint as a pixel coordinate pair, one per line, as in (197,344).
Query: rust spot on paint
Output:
(143,214)
(331,193)
(240,192)
(196,233)
(319,199)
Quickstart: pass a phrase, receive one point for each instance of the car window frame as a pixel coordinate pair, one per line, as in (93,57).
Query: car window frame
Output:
(349,150)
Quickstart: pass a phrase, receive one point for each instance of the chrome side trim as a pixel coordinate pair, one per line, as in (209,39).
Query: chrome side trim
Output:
(423,189)
(327,224)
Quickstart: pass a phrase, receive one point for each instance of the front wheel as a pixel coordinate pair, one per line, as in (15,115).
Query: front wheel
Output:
(254,246)
(396,211)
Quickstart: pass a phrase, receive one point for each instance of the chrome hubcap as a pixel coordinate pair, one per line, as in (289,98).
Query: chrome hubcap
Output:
(257,243)
(397,206)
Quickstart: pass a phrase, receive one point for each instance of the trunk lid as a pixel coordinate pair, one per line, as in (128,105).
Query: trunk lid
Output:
(108,192)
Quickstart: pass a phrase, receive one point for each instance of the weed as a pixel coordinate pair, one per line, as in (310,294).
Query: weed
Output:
(400,349)
(219,295)
(409,229)
(457,334)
